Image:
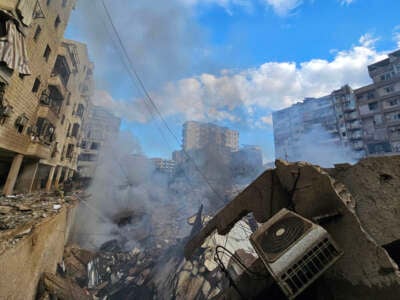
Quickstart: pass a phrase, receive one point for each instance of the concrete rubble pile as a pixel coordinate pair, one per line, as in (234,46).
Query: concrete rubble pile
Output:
(357,205)
(20,213)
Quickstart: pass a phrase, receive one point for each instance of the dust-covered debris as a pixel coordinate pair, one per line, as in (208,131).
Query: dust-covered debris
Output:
(20,213)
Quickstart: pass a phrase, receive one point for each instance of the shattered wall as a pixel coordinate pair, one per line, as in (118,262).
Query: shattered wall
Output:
(38,252)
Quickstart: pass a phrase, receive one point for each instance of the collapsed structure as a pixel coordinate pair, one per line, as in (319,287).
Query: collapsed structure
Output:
(350,204)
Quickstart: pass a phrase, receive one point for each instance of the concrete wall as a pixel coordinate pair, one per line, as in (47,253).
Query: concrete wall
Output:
(40,251)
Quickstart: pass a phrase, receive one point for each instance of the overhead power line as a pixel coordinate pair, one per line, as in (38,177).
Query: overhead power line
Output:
(134,75)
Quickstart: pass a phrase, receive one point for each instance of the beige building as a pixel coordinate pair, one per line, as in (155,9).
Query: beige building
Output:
(101,128)
(379,107)
(46,83)
(197,135)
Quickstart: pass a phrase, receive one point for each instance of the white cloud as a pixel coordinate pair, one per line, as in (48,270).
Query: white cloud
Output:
(283,7)
(271,86)
(396,35)
(267,119)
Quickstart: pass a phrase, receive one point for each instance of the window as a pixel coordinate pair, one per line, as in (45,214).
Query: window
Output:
(70,151)
(69,129)
(386,76)
(75,130)
(48,2)
(95,146)
(393,102)
(389,89)
(62,119)
(373,105)
(370,95)
(37,33)
(36,85)
(61,69)
(45,130)
(47,52)
(57,22)
(21,122)
(64,3)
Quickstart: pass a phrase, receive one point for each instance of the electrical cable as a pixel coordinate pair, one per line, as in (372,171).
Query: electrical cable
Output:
(135,77)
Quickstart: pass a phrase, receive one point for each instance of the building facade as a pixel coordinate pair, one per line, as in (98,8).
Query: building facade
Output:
(166,166)
(197,135)
(367,119)
(46,83)
(100,129)
(293,124)
(379,107)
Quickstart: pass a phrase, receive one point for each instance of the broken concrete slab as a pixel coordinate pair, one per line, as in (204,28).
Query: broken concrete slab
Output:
(62,288)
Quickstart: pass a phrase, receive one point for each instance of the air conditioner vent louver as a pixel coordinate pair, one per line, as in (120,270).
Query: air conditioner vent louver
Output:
(295,250)
(310,266)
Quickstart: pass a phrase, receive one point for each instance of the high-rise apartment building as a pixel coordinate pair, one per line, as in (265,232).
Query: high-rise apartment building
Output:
(197,135)
(379,107)
(367,120)
(45,86)
(101,129)
(293,123)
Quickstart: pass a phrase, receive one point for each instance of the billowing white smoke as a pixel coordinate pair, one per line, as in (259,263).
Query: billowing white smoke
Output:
(126,182)
(319,147)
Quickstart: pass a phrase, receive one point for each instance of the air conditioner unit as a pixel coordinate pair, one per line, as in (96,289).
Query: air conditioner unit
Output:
(294,250)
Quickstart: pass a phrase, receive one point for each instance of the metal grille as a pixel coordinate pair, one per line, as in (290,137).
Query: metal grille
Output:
(309,267)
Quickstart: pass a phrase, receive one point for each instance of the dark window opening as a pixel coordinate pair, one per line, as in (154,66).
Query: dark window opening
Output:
(84,144)
(21,122)
(53,98)
(88,157)
(70,151)
(95,146)
(37,33)
(57,22)
(373,106)
(61,69)
(47,52)
(80,110)
(62,119)
(75,130)
(36,85)
(64,3)
(69,129)
(48,2)
(45,130)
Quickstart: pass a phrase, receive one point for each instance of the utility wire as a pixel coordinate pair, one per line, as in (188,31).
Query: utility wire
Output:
(135,77)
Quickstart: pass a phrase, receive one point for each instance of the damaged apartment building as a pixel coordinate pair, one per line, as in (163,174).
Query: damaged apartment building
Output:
(101,127)
(365,120)
(46,83)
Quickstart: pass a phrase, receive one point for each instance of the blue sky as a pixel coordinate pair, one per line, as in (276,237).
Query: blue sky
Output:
(231,62)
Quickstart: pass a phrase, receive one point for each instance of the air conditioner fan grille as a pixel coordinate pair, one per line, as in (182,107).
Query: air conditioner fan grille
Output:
(282,234)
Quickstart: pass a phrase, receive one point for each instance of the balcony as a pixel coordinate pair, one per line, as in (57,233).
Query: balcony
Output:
(354,125)
(358,145)
(56,81)
(52,99)
(349,106)
(351,116)
(357,135)
(47,112)
(39,149)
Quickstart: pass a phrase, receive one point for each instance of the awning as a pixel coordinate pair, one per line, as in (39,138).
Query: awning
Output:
(13,49)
